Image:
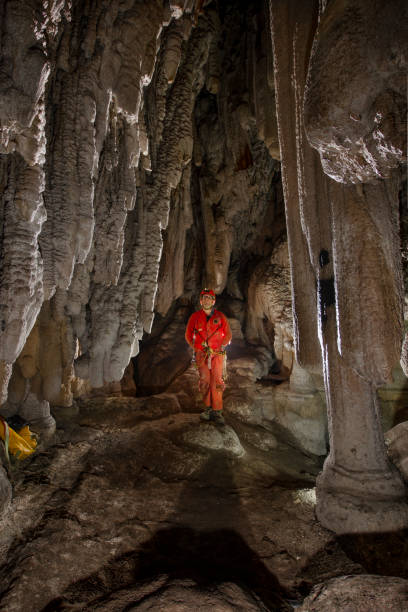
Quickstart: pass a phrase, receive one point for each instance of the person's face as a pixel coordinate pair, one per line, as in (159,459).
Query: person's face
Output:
(207,302)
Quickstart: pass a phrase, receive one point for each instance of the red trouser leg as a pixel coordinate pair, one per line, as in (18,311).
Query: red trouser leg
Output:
(217,384)
(205,377)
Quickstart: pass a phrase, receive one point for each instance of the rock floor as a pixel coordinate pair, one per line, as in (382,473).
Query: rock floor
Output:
(138,505)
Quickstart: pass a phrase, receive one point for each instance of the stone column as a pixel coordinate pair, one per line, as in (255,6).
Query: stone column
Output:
(360,333)
(346,295)
(358,489)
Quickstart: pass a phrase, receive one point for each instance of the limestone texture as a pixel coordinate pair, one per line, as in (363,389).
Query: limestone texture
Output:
(118,180)
(358,134)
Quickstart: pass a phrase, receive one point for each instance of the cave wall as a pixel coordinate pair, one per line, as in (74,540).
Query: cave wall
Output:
(71,144)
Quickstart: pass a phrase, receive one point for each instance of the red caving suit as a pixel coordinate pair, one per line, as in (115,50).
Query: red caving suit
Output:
(215,332)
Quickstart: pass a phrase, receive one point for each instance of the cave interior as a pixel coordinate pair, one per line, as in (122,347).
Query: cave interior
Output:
(149,149)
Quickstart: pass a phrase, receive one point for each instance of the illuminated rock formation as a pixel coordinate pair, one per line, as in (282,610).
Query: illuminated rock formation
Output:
(343,245)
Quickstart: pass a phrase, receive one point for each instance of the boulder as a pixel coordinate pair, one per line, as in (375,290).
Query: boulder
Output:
(355,593)
(396,440)
(215,438)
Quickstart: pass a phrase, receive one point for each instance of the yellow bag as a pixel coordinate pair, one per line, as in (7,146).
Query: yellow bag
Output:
(28,436)
(20,444)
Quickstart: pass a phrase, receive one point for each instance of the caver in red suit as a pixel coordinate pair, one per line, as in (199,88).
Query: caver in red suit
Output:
(208,332)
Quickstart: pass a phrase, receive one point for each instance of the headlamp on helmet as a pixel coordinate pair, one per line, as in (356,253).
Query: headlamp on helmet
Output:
(209,292)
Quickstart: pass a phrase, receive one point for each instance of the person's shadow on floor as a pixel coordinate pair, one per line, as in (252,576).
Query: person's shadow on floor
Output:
(205,544)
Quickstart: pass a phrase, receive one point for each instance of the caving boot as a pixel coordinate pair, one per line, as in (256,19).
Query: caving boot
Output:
(207,415)
(218,417)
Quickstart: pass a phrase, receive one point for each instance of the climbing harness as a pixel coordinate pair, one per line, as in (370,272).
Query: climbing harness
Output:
(193,360)
(204,343)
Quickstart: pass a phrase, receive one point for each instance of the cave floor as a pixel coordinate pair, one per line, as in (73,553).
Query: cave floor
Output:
(136,504)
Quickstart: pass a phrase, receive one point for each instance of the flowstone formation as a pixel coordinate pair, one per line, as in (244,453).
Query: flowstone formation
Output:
(154,181)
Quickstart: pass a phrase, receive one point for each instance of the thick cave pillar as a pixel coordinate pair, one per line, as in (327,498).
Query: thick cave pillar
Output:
(343,246)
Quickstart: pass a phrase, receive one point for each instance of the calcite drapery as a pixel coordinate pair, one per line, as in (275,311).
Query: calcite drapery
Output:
(72,133)
(26,30)
(336,253)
